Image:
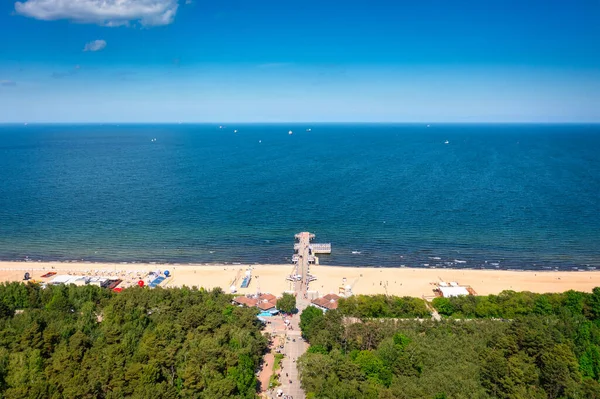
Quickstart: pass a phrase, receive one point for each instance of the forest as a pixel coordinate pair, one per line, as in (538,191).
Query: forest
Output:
(512,345)
(89,342)
(511,304)
(365,306)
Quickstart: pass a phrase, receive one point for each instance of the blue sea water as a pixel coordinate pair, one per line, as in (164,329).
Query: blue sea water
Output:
(495,196)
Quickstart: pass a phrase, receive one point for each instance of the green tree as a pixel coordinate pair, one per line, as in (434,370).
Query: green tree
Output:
(559,371)
(444,306)
(594,303)
(310,318)
(85,342)
(287,303)
(5,310)
(373,367)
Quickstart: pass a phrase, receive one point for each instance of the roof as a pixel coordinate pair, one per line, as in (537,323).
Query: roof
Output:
(266,305)
(268,297)
(326,303)
(448,292)
(242,300)
(329,297)
(68,279)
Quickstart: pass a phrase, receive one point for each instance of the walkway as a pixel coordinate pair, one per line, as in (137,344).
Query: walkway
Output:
(294,348)
(266,371)
(302,265)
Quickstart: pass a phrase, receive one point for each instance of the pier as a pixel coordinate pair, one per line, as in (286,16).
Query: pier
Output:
(304,256)
(316,248)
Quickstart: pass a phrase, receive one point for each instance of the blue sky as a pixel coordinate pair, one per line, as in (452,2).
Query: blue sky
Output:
(272,61)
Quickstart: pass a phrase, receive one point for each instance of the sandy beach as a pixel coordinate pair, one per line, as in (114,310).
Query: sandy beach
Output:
(271,278)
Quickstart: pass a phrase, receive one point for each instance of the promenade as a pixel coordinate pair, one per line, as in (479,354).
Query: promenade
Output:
(294,346)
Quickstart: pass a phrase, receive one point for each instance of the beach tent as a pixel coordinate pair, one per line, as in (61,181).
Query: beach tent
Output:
(448,292)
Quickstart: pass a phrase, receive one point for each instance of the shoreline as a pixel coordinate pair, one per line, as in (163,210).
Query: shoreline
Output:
(455,266)
(402,281)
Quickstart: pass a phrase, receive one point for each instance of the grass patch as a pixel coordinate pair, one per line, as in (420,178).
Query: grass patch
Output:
(277,363)
(274,381)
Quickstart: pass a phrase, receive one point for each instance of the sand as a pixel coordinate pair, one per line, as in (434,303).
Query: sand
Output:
(271,278)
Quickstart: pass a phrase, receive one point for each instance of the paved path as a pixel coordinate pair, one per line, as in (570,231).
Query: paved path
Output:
(293,350)
(294,345)
(266,371)
(302,267)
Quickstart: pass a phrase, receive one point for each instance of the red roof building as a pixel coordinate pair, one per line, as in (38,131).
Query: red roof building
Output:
(266,305)
(242,300)
(268,297)
(327,302)
(265,301)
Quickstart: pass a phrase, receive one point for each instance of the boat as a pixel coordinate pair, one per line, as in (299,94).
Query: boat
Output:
(446,142)
(235,131)
(355,252)
(309,130)
(290,132)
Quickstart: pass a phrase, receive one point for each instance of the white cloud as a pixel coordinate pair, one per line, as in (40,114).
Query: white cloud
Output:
(95,45)
(101,12)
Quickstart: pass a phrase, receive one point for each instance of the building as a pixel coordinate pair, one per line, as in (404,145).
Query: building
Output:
(327,302)
(245,301)
(265,306)
(68,279)
(268,297)
(452,289)
(265,302)
(449,292)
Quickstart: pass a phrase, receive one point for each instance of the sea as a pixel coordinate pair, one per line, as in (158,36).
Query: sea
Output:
(493,196)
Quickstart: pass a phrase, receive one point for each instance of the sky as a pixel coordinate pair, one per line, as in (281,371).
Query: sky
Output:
(303,61)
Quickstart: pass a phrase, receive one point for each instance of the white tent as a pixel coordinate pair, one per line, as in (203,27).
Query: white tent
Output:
(448,292)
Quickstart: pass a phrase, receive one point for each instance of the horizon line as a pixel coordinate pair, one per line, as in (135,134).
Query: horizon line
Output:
(223,123)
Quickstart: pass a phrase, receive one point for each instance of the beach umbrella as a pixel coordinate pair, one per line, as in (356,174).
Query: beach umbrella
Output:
(141,283)
(167,273)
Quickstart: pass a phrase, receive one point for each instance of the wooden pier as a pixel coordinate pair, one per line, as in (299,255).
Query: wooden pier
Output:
(320,248)
(315,248)
(304,255)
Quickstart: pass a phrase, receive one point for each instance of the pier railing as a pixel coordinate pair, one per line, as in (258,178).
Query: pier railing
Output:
(316,248)
(321,248)
(296,258)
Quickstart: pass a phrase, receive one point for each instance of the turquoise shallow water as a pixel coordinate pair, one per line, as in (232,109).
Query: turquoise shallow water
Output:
(496,196)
